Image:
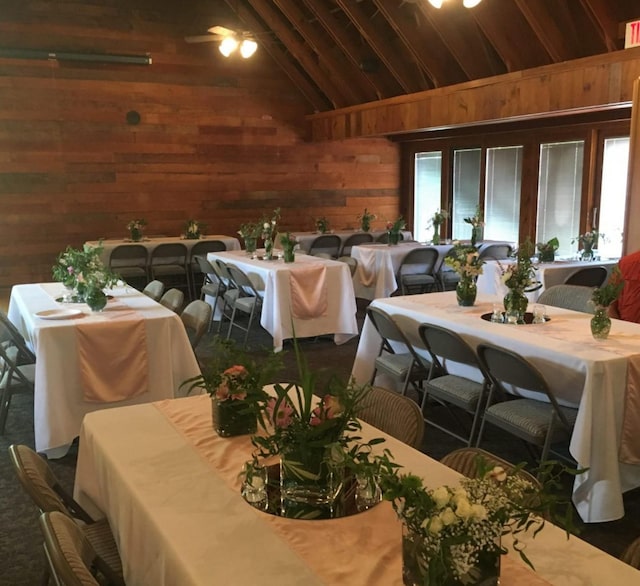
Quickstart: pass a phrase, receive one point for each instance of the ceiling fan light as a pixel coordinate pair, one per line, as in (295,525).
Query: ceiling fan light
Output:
(228,46)
(436,3)
(248,48)
(470,3)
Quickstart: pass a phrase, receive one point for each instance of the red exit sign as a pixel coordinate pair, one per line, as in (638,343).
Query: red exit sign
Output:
(632,34)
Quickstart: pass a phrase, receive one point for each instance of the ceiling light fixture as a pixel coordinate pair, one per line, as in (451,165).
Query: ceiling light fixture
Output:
(228,45)
(465,3)
(231,43)
(248,48)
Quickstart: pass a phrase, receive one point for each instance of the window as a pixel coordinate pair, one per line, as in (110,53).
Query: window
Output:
(427,190)
(466,190)
(502,193)
(559,194)
(613,196)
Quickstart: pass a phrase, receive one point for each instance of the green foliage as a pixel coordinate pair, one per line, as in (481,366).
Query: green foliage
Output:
(608,293)
(83,267)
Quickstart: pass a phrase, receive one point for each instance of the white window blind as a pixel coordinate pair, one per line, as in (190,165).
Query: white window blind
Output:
(466,190)
(502,193)
(427,189)
(613,196)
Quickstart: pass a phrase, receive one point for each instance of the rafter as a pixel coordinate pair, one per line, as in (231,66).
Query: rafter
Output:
(600,12)
(546,29)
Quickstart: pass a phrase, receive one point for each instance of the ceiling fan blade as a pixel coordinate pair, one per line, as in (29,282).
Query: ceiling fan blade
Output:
(202,39)
(221,30)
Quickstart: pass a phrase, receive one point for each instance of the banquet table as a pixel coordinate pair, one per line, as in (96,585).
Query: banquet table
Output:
(306,238)
(134,351)
(378,264)
(311,296)
(170,489)
(549,274)
(584,372)
(230,242)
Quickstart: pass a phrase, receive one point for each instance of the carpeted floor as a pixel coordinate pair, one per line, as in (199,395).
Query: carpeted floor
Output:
(21,557)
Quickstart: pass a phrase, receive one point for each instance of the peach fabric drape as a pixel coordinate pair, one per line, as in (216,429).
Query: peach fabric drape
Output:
(349,550)
(367,267)
(309,292)
(629,439)
(112,355)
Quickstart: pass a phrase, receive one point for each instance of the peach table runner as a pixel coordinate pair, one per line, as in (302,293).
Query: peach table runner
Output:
(367,266)
(112,355)
(309,291)
(629,439)
(360,549)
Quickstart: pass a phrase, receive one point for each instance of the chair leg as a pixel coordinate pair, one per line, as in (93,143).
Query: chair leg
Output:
(233,317)
(5,402)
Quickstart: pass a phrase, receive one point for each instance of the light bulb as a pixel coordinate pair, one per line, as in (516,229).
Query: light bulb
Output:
(228,46)
(436,3)
(470,3)
(248,48)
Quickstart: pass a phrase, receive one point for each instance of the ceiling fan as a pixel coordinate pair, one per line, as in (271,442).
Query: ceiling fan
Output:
(230,40)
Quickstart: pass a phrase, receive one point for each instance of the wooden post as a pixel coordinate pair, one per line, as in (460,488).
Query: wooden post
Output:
(631,241)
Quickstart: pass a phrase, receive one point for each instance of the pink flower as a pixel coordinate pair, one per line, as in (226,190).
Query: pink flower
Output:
(282,418)
(222,392)
(239,395)
(389,225)
(235,371)
(332,407)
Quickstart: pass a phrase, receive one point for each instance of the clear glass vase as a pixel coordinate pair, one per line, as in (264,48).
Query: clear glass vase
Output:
(289,254)
(136,234)
(96,299)
(515,305)
(394,238)
(466,292)
(232,417)
(268,248)
(250,244)
(600,324)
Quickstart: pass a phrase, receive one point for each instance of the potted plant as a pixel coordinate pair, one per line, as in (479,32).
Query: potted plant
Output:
(547,250)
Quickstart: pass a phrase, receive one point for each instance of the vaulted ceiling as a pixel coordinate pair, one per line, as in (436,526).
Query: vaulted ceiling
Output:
(341,53)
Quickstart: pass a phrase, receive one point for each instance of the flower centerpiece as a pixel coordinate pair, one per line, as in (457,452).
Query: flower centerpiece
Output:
(452,535)
(602,298)
(193,229)
(250,232)
(588,241)
(288,242)
(235,379)
(439,218)
(322,225)
(547,250)
(520,278)
(477,224)
(269,229)
(394,230)
(365,220)
(82,271)
(465,261)
(136,229)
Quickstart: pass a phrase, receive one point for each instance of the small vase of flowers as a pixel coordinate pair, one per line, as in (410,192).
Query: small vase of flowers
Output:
(193,230)
(465,261)
(602,298)
(365,220)
(250,232)
(547,250)
(477,224)
(136,229)
(322,225)
(269,229)
(520,278)
(394,230)
(588,241)
(439,218)
(288,247)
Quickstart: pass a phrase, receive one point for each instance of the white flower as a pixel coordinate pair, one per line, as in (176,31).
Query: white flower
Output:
(498,473)
(266,225)
(441,497)
(463,509)
(435,526)
(478,512)
(448,517)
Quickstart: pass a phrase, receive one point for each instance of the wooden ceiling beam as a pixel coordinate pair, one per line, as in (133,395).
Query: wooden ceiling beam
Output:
(435,58)
(546,29)
(602,16)
(299,51)
(396,63)
(339,69)
(318,101)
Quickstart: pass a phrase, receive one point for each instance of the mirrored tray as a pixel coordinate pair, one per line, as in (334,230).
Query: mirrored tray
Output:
(528,318)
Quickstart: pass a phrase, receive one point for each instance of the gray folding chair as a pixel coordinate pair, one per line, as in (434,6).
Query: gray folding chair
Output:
(573,297)
(539,423)
(248,300)
(168,263)
(173,299)
(446,275)
(352,262)
(230,292)
(588,277)
(154,289)
(212,284)
(446,347)
(201,249)
(495,252)
(416,272)
(196,318)
(355,240)
(329,244)
(130,261)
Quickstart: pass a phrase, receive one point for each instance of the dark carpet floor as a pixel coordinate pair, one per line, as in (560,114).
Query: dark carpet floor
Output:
(21,556)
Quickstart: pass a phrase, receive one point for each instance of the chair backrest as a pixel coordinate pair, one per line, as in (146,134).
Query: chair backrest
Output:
(173,300)
(202,248)
(70,555)
(448,345)
(205,266)
(242,281)
(222,271)
(169,253)
(127,256)
(631,554)
(9,334)
(327,244)
(588,277)
(495,252)
(419,261)
(355,240)
(506,368)
(572,297)
(154,289)
(352,262)
(395,414)
(39,482)
(196,318)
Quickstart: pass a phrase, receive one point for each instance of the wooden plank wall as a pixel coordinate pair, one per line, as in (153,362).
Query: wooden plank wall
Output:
(222,141)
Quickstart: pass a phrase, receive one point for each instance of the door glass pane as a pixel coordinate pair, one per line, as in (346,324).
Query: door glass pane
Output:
(613,197)
(559,194)
(466,190)
(427,189)
(502,193)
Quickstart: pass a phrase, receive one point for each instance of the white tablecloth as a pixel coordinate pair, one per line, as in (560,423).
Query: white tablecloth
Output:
(170,490)
(231,243)
(378,265)
(306,238)
(549,274)
(273,278)
(59,403)
(580,370)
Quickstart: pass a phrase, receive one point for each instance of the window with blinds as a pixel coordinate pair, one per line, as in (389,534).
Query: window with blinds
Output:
(502,193)
(614,192)
(427,192)
(466,190)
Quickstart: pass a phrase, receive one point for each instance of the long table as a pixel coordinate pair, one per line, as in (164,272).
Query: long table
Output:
(305,239)
(169,487)
(327,281)
(587,373)
(134,351)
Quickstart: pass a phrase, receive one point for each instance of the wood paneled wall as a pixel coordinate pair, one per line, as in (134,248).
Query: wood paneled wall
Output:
(222,141)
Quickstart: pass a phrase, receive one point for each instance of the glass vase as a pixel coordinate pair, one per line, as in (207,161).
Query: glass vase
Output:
(96,299)
(81,293)
(365,224)
(466,292)
(232,417)
(600,324)
(436,234)
(250,244)
(288,254)
(136,234)
(268,248)
(587,252)
(546,255)
(421,566)
(476,234)
(515,303)
(394,238)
